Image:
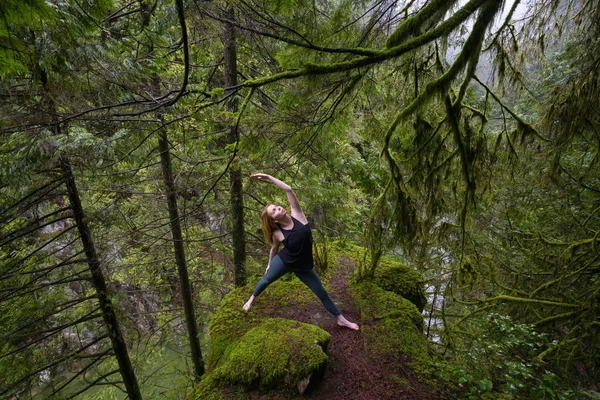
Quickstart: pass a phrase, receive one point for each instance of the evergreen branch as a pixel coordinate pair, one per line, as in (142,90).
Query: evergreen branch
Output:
(472,313)
(235,149)
(19,233)
(82,371)
(45,189)
(52,364)
(305,44)
(16,291)
(63,263)
(62,307)
(50,332)
(583,185)
(96,382)
(530,301)
(186,51)
(40,248)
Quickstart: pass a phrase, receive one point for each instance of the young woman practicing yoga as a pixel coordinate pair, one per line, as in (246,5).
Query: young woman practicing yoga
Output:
(293,232)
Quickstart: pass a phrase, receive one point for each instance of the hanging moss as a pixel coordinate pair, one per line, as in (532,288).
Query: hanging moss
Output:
(377,56)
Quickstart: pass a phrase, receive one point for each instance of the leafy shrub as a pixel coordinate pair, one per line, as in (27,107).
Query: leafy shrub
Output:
(502,359)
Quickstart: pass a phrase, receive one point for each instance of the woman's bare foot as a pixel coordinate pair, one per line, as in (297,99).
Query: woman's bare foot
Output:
(341,321)
(248,304)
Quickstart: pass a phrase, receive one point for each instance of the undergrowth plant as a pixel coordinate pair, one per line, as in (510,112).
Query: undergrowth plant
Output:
(503,357)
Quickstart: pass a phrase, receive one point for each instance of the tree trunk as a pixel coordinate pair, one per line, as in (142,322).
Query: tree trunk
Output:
(108,312)
(186,294)
(235,173)
(175,224)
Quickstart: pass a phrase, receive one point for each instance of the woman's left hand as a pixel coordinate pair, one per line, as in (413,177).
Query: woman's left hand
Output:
(261,177)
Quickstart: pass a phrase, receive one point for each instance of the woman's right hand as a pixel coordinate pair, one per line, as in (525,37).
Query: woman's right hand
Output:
(267,270)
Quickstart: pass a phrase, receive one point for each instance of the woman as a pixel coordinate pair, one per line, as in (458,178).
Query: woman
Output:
(293,232)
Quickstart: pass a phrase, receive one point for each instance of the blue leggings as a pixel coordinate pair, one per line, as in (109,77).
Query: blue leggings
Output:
(308,277)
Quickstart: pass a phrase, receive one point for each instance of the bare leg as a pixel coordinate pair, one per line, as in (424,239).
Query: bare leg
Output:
(248,304)
(341,321)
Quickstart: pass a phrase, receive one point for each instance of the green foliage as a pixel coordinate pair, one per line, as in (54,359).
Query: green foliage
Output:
(96,80)
(503,356)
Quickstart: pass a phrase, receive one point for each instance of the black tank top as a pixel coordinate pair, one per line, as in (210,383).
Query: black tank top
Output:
(297,250)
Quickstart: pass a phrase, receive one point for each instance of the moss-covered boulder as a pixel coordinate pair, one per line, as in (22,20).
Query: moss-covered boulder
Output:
(278,352)
(402,280)
(253,350)
(392,325)
(230,322)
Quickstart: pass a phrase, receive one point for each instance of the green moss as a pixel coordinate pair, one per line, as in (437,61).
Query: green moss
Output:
(230,322)
(392,325)
(278,352)
(251,348)
(207,389)
(402,280)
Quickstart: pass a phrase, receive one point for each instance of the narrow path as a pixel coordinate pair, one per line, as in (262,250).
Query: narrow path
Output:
(353,372)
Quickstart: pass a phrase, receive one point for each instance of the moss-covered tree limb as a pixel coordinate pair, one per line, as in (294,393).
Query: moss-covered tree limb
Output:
(560,279)
(530,301)
(441,85)
(305,44)
(506,23)
(472,313)
(554,318)
(377,56)
(412,26)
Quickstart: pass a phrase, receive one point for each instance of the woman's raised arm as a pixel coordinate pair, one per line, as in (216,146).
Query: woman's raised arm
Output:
(291,196)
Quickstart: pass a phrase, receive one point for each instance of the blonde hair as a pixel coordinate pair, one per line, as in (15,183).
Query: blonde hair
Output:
(268,225)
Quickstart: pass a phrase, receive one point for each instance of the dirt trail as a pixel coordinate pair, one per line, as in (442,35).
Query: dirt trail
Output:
(354,373)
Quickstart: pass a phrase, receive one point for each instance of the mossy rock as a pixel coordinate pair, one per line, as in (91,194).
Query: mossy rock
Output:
(278,352)
(230,322)
(230,326)
(402,280)
(392,325)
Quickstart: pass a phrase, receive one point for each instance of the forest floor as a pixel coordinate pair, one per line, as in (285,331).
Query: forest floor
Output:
(353,372)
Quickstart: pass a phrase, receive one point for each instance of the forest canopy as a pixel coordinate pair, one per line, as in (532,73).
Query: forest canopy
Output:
(458,137)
